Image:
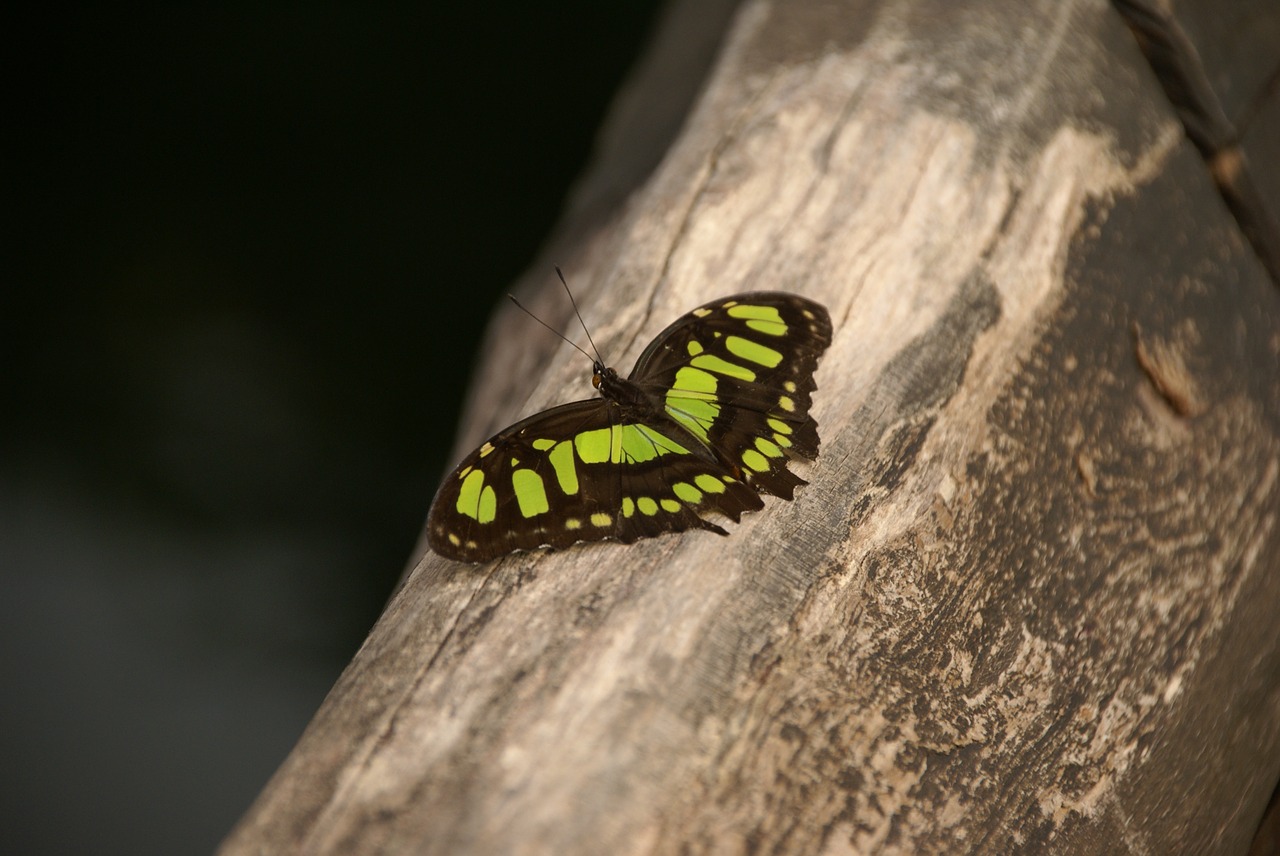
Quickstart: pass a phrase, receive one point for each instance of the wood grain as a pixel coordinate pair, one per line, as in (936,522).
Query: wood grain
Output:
(1027,603)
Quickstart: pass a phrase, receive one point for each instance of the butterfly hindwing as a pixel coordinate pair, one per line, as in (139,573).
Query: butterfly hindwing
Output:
(581,472)
(712,412)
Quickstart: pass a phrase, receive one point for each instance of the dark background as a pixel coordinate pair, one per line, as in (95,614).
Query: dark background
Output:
(253,251)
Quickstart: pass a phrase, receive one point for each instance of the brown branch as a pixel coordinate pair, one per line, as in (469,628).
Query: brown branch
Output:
(1026,604)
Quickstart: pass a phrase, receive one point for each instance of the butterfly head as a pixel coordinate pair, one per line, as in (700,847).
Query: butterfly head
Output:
(607,381)
(601,374)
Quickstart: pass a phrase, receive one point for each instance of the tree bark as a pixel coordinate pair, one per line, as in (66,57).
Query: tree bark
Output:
(1028,601)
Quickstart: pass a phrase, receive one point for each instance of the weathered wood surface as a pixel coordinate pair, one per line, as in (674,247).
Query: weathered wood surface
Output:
(1028,602)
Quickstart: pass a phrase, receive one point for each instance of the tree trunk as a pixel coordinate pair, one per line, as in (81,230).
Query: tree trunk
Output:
(1028,602)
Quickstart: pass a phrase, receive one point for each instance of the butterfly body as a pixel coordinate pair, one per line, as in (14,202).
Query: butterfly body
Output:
(632,398)
(708,419)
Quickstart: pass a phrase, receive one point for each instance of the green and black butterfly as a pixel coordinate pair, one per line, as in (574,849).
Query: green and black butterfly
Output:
(708,419)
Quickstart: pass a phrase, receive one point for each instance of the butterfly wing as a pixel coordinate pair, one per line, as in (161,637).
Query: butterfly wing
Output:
(738,374)
(580,472)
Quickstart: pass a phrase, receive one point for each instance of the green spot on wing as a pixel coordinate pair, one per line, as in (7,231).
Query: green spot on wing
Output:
(769,328)
(753,351)
(757,313)
(753,460)
(691,400)
(768,448)
(530,492)
(713,363)
(562,462)
(469,494)
(695,380)
(687,492)
(488,509)
(594,447)
(709,484)
(693,413)
(641,443)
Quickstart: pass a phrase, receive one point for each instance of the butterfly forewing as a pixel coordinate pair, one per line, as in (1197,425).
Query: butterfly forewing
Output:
(738,372)
(713,410)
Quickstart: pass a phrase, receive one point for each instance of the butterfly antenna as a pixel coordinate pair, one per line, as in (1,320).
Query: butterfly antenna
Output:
(549,327)
(574,303)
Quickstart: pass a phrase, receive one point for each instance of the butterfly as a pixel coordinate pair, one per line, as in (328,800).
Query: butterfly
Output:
(707,420)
